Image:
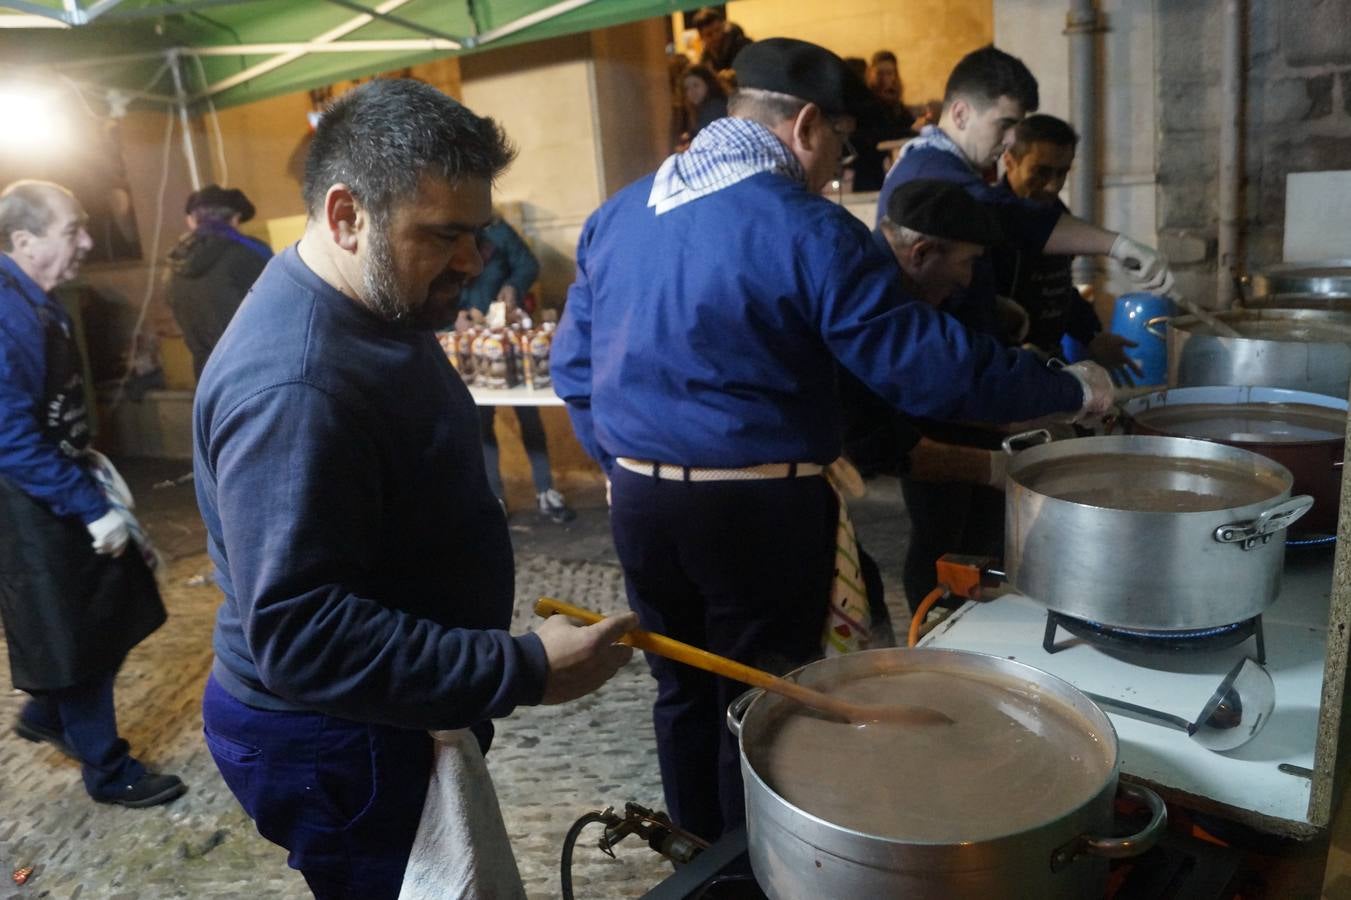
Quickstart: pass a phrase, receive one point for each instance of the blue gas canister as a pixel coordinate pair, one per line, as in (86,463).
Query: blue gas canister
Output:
(1131,313)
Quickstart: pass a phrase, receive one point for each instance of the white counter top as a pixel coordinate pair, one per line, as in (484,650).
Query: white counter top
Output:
(1245,779)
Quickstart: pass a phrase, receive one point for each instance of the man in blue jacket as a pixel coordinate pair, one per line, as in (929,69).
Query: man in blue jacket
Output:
(74,597)
(366,566)
(708,392)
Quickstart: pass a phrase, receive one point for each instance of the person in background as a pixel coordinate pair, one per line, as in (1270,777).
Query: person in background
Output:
(721,40)
(212,267)
(1035,167)
(366,567)
(936,231)
(509,269)
(76,589)
(987,93)
(705,100)
(887,120)
(708,392)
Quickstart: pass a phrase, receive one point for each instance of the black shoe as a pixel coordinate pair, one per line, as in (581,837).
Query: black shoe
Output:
(39,733)
(148,790)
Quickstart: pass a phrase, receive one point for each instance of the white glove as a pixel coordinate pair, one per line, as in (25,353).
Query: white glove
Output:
(110,533)
(1146,266)
(1099,395)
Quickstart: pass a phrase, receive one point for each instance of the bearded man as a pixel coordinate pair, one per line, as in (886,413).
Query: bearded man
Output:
(366,565)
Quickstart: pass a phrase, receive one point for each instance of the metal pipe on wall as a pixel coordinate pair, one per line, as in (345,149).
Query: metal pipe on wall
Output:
(1082,24)
(1230,186)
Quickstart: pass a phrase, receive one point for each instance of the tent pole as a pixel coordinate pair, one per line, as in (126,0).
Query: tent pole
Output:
(181,101)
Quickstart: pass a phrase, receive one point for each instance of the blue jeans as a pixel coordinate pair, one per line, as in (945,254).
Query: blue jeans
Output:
(87,719)
(532,438)
(343,797)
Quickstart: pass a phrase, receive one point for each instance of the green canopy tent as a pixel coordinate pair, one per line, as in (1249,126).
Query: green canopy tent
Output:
(238,51)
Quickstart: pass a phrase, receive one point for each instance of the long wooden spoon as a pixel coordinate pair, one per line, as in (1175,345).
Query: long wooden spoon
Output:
(720,665)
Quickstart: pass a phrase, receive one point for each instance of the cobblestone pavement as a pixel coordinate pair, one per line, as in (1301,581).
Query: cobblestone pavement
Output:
(550,764)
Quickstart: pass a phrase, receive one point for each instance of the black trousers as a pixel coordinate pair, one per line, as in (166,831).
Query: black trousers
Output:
(740,568)
(948,517)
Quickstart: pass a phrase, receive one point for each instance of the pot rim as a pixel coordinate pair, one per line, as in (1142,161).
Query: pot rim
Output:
(1187,324)
(1251,395)
(1065,693)
(1147,445)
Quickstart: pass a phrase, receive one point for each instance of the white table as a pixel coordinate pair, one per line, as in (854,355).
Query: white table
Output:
(515,396)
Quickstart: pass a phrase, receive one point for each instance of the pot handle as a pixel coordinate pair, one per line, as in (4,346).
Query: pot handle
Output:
(1272,520)
(1123,847)
(1151,326)
(1026,440)
(736,710)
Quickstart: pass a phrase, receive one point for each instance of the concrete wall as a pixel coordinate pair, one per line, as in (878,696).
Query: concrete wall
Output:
(927,36)
(1033,30)
(1298,120)
(1159,129)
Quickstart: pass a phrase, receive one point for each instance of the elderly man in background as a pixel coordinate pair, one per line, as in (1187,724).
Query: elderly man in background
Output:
(212,267)
(366,566)
(936,231)
(708,392)
(76,592)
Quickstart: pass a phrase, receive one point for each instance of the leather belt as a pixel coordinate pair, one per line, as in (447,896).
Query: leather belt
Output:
(671,472)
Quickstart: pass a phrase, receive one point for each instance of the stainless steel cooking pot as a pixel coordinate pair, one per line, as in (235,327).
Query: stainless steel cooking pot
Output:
(797,855)
(1302,431)
(1326,278)
(1153,533)
(1298,349)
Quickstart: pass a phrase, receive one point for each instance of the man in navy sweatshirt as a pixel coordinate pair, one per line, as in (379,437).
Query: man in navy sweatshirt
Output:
(366,565)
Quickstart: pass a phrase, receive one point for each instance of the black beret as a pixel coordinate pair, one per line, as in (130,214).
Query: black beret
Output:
(213,195)
(943,209)
(805,71)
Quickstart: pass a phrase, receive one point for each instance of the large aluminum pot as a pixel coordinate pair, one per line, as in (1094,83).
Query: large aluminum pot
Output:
(1298,349)
(797,855)
(1302,431)
(1153,533)
(1326,278)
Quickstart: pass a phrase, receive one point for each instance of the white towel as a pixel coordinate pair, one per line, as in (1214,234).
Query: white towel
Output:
(461,849)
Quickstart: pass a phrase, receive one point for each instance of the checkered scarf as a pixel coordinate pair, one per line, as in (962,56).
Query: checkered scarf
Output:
(726,151)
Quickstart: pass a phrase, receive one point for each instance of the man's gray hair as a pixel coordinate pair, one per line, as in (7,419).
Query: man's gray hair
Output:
(904,238)
(24,206)
(769,108)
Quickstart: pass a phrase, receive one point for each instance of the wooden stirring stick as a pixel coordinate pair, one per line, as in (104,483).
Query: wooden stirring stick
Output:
(727,668)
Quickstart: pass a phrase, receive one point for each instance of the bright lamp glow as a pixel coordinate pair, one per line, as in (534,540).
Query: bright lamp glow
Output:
(34,119)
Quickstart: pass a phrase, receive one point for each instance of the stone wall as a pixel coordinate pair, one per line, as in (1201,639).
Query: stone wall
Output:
(1298,119)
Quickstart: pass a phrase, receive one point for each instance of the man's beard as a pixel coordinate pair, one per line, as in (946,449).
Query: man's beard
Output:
(379,285)
(382,294)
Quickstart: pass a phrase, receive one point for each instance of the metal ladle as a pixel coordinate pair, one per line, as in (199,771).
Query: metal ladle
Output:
(1236,712)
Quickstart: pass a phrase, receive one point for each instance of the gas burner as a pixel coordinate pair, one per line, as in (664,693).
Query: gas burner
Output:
(1187,641)
(1312,541)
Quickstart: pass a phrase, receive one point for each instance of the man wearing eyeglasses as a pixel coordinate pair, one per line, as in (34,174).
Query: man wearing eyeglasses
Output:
(697,354)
